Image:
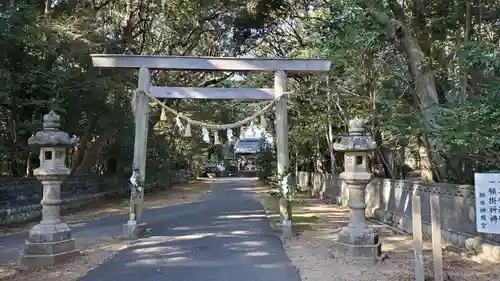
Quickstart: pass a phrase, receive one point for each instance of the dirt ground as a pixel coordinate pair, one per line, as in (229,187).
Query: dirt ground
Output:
(90,258)
(102,250)
(316,257)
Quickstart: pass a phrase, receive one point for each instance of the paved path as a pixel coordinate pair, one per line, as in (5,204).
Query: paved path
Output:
(224,236)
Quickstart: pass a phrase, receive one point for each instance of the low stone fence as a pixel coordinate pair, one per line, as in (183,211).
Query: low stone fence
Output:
(20,197)
(389,201)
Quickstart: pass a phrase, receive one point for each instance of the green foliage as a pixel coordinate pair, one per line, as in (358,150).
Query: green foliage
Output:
(456,120)
(266,164)
(469,132)
(450,111)
(46,65)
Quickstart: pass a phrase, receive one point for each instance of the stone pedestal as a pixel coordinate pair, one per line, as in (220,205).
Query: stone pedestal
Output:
(285,219)
(133,230)
(357,239)
(286,230)
(50,241)
(47,246)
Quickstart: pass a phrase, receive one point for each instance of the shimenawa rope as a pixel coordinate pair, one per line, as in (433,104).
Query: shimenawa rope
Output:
(199,123)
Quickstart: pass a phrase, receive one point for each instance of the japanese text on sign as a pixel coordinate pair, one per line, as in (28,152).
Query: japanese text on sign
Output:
(487,190)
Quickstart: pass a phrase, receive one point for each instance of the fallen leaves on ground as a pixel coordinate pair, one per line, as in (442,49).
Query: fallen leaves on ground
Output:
(90,257)
(313,252)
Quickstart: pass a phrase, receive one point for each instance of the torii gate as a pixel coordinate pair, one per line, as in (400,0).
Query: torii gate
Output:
(135,227)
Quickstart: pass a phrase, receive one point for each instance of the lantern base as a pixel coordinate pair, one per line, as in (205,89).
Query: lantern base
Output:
(47,245)
(359,243)
(362,252)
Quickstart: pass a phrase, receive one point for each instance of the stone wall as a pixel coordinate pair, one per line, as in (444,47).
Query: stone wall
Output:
(390,201)
(20,197)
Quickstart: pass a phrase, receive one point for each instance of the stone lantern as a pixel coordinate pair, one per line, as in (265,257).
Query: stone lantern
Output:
(357,239)
(50,241)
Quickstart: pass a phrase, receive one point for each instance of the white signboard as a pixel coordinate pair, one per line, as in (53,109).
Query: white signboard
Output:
(487,190)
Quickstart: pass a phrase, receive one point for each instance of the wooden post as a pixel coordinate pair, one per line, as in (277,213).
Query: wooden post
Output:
(436,238)
(282,144)
(417,238)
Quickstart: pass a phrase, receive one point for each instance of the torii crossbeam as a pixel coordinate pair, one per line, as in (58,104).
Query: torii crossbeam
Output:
(210,63)
(135,227)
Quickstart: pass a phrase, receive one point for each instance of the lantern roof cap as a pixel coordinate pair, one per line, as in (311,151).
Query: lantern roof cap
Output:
(51,135)
(356,140)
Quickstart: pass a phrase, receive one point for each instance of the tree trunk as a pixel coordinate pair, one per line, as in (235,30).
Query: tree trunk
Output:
(329,135)
(464,81)
(81,146)
(93,153)
(426,94)
(29,166)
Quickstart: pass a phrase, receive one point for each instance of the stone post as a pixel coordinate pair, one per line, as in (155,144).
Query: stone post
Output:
(50,241)
(357,239)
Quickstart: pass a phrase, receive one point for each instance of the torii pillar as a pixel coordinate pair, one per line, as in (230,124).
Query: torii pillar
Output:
(281,111)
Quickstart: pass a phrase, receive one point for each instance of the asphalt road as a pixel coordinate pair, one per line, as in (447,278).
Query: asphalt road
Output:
(225,236)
